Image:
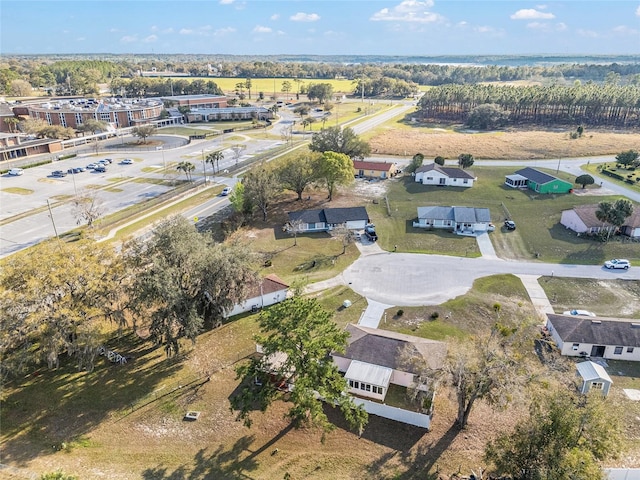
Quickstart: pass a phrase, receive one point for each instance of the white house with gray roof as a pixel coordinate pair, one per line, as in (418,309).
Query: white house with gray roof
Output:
(326,219)
(596,337)
(461,220)
(434,174)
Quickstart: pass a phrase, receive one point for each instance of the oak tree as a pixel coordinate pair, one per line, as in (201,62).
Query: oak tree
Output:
(333,169)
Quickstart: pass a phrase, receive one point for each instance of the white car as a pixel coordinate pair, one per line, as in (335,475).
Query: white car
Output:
(580,313)
(617,263)
(126,161)
(226,191)
(16,171)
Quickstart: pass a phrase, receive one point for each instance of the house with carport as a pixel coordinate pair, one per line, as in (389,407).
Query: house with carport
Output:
(583,219)
(595,337)
(539,182)
(369,169)
(434,174)
(461,220)
(326,219)
(266,291)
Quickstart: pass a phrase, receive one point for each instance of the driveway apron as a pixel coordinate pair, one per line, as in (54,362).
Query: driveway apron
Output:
(373,314)
(485,246)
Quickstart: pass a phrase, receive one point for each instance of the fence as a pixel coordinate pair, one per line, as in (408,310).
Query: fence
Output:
(394,413)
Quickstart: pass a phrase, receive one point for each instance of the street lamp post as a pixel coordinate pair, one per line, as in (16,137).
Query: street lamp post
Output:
(204,168)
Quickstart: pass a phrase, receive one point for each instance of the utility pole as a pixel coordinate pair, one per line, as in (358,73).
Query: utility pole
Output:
(204,168)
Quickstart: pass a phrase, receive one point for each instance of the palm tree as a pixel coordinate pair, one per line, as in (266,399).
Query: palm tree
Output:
(214,159)
(187,168)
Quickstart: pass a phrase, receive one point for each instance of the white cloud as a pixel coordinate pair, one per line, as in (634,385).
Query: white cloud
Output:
(561,27)
(221,32)
(186,31)
(541,7)
(154,28)
(168,30)
(129,39)
(150,39)
(80,39)
(531,14)
(304,17)
(408,11)
(588,33)
(538,26)
(275,16)
(624,30)
(638,11)
(261,29)
(226,2)
(113,30)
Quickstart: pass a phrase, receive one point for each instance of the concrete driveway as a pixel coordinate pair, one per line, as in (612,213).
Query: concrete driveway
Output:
(406,279)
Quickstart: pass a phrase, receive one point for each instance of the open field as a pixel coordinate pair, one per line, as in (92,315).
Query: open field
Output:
(507,145)
(125,422)
(539,234)
(270,85)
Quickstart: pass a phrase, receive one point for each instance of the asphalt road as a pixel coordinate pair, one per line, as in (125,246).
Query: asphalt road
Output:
(406,279)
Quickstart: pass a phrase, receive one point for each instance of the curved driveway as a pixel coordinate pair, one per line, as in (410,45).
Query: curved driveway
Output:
(406,279)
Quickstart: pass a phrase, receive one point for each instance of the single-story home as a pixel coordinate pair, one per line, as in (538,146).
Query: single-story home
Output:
(611,338)
(368,169)
(326,219)
(268,291)
(375,358)
(537,181)
(462,220)
(594,378)
(434,174)
(582,219)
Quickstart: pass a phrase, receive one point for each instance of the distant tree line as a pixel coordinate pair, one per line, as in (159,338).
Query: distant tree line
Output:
(588,104)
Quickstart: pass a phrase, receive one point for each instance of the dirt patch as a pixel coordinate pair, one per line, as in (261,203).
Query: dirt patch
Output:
(601,191)
(502,145)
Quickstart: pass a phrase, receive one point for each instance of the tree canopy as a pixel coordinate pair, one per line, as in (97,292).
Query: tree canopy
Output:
(339,140)
(297,337)
(614,213)
(584,180)
(416,162)
(465,160)
(487,116)
(627,158)
(296,174)
(333,169)
(260,188)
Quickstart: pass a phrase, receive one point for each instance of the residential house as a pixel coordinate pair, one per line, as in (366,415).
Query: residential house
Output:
(268,291)
(537,181)
(434,174)
(375,358)
(583,219)
(326,219)
(596,337)
(594,378)
(367,169)
(462,220)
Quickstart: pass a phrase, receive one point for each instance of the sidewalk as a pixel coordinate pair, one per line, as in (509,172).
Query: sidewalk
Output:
(485,246)
(373,314)
(536,294)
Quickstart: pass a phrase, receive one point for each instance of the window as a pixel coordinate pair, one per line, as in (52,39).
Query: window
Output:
(377,390)
(362,386)
(63,119)
(353,384)
(617,351)
(575,346)
(596,385)
(465,181)
(368,387)
(429,178)
(629,349)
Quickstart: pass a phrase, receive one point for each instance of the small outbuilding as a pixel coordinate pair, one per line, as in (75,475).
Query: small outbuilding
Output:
(369,169)
(594,378)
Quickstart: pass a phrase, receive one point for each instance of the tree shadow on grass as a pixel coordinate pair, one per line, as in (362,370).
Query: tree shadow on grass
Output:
(50,409)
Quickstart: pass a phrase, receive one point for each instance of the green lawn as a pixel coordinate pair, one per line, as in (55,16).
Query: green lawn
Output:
(539,234)
(593,169)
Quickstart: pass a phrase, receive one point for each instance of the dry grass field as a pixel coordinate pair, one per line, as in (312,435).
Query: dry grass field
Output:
(508,145)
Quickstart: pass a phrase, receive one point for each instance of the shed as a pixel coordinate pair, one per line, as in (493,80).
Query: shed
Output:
(594,377)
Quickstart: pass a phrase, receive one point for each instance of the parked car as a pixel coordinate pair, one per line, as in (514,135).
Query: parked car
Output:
(226,191)
(491,227)
(510,224)
(580,313)
(126,161)
(91,166)
(107,160)
(617,263)
(81,169)
(16,172)
(100,169)
(75,170)
(58,173)
(370,232)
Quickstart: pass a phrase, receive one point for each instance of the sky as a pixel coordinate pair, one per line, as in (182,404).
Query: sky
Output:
(321,27)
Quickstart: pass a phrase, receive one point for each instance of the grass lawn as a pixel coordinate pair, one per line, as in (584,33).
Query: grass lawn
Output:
(537,218)
(593,169)
(607,298)
(268,85)
(18,190)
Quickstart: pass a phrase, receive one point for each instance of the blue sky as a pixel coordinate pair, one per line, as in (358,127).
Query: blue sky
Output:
(321,27)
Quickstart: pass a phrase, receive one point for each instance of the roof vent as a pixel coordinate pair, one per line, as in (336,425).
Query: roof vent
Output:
(595,322)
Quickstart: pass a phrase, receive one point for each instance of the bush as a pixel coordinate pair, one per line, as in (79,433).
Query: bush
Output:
(399,313)
(65,157)
(434,316)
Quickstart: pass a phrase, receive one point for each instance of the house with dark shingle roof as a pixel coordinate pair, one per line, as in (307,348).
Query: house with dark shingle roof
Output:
(375,358)
(462,220)
(583,219)
(326,219)
(266,291)
(434,174)
(369,169)
(596,337)
(537,181)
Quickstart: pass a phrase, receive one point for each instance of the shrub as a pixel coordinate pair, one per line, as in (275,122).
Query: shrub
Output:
(434,316)
(399,313)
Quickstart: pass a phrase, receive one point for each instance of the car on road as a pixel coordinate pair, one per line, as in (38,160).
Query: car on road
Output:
(126,161)
(16,172)
(509,224)
(91,166)
(370,232)
(226,191)
(58,173)
(579,313)
(617,263)
(100,169)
